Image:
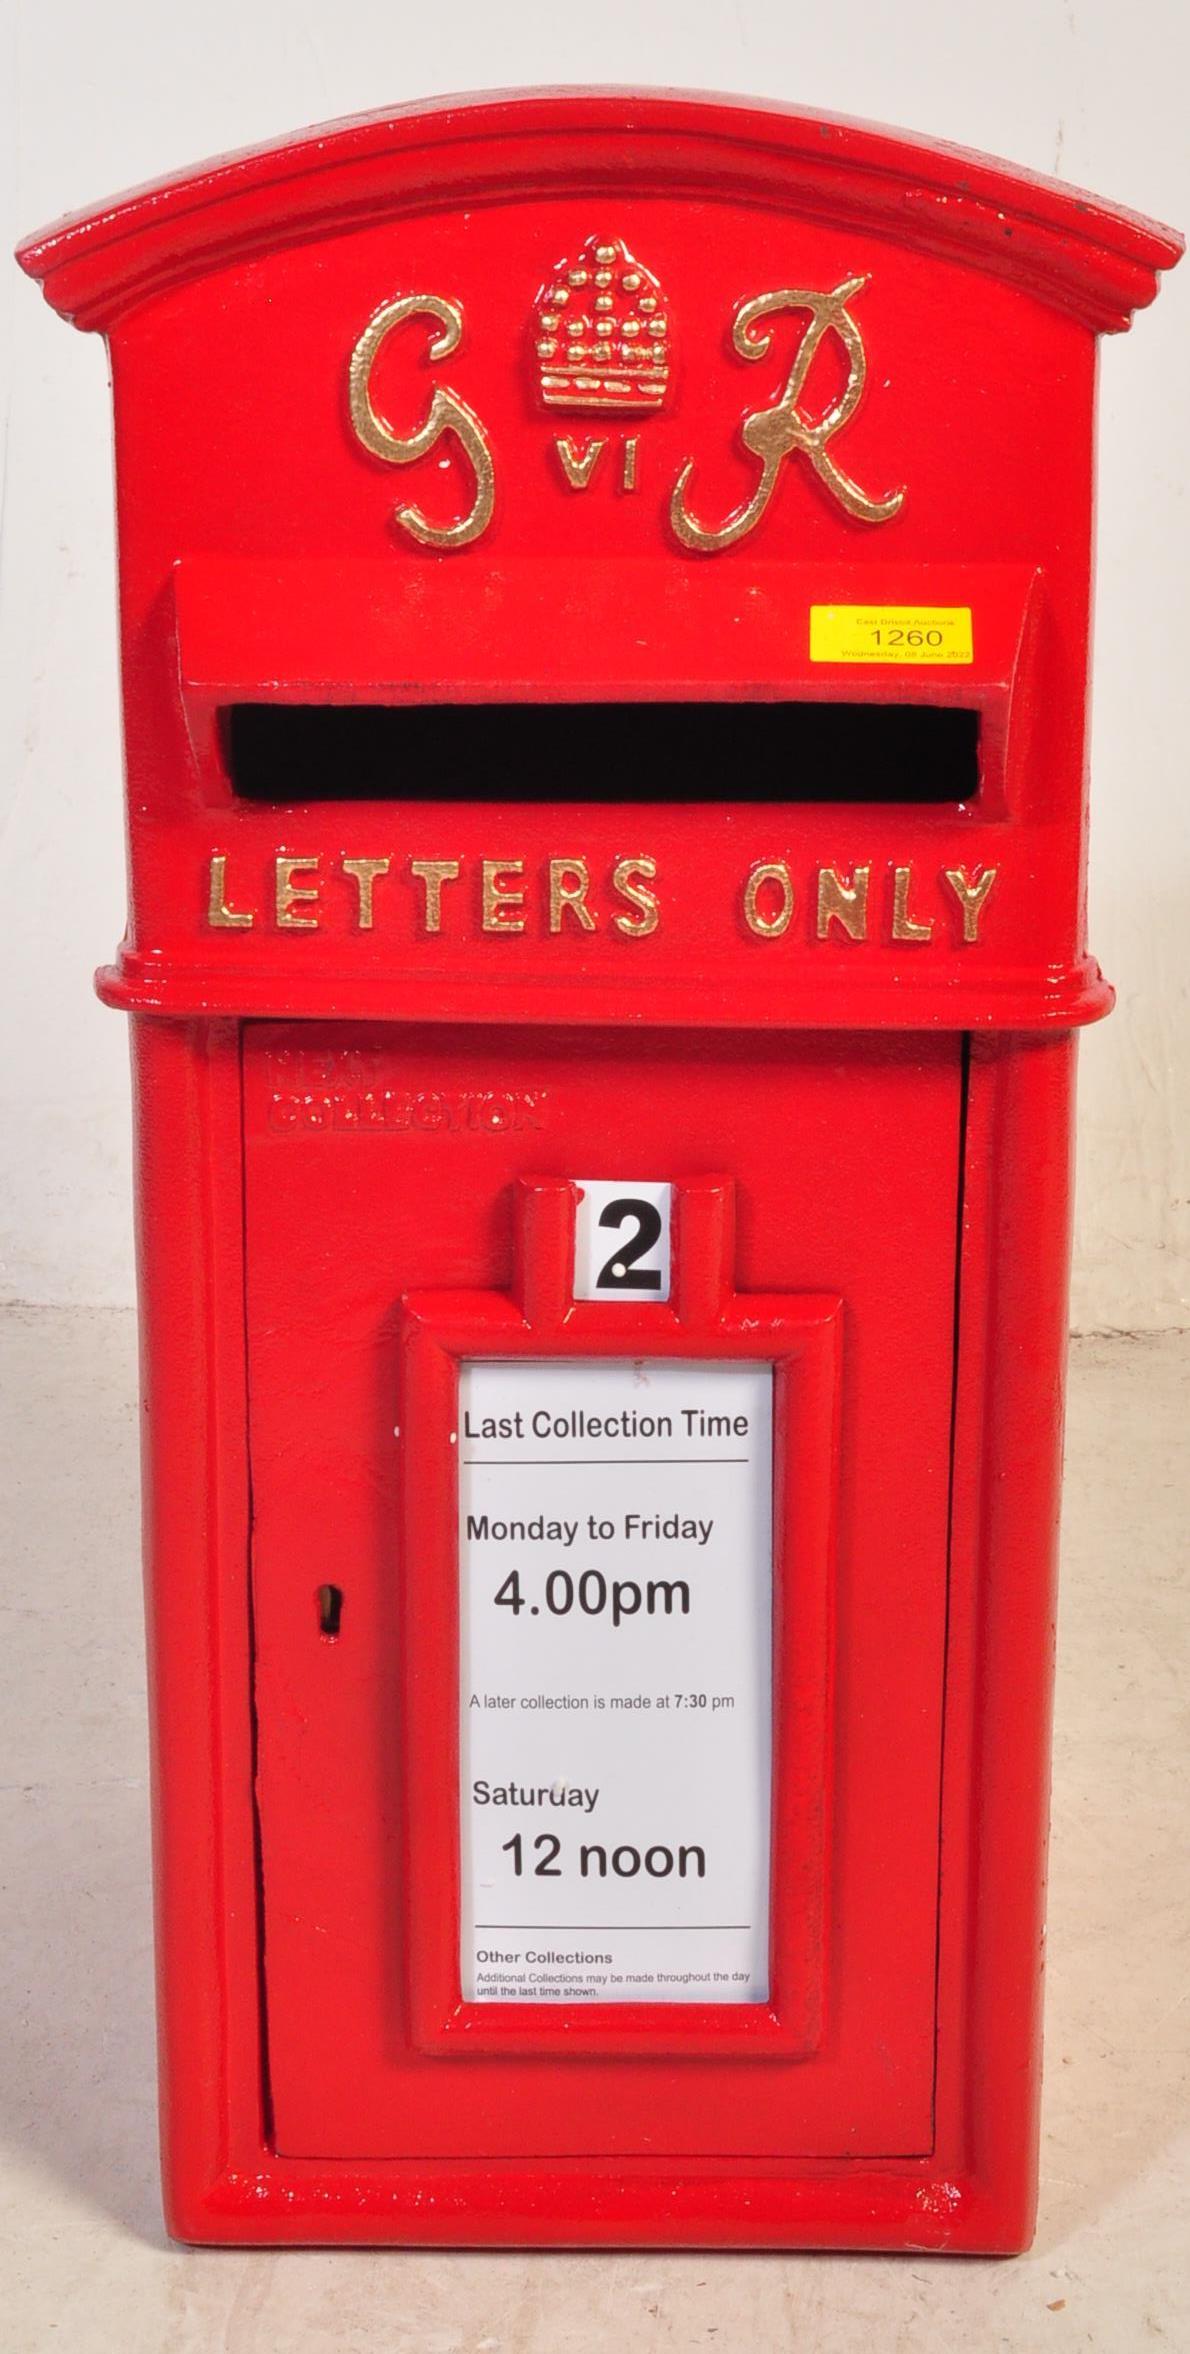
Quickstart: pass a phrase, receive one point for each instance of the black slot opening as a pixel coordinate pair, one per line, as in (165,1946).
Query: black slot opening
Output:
(288,753)
(330,1610)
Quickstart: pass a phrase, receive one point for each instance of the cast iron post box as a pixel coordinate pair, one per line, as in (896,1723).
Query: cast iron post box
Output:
(604,592)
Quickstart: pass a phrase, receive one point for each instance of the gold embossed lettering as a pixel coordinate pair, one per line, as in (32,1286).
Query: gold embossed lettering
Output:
(626,880)
(784,431)
(220,915)
(432,873)
(363,872)
(760,915)
(905,925)
(570,881)
(447,414)
(628,471)
(972,895)
(578,463)
(500,897)
(843,903)
(291,894)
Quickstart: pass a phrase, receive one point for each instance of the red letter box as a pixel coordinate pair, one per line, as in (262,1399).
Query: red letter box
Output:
(604,589)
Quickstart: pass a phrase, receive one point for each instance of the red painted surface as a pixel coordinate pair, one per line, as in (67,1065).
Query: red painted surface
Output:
(330,1154)
(845,1189)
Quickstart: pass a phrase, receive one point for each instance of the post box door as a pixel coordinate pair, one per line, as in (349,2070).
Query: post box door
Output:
(382,1162)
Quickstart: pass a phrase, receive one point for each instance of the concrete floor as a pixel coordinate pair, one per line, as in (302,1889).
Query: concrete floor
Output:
(85,2265)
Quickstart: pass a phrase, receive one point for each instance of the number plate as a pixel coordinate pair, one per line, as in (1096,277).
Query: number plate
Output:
(615,1544)
(621,1240)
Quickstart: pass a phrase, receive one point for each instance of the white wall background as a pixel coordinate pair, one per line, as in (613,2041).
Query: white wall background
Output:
(94,97)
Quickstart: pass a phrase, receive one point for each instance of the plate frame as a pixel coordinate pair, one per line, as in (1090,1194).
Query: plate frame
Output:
(799,1334)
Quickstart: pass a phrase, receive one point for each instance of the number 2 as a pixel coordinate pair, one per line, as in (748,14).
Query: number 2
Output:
(620,1272)
(637,1211)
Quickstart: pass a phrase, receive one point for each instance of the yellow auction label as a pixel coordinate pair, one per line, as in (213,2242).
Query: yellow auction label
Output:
(890,633)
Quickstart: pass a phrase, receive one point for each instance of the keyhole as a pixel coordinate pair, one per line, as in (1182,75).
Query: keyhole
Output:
(330,1610)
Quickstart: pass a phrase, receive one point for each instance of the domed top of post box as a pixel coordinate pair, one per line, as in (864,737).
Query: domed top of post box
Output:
(1069,249)
(748,573)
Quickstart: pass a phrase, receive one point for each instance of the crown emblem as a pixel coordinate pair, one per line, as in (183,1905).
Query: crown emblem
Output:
(601,332)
